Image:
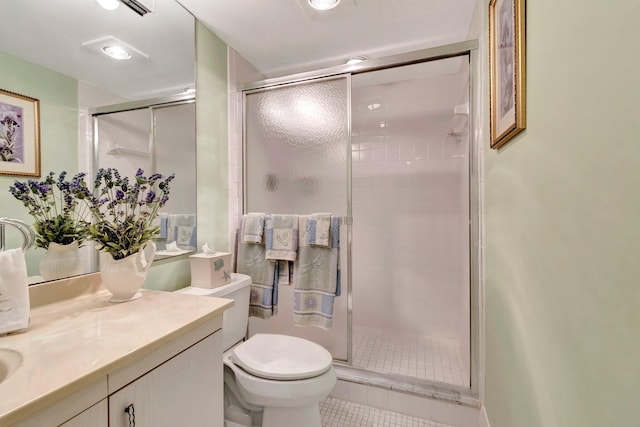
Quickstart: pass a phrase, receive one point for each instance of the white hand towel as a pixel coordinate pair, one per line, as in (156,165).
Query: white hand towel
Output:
(319,230)
(253,227)
(14,291)
(281,235)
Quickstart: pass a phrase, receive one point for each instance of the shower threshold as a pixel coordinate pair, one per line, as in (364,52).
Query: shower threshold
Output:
(403,384)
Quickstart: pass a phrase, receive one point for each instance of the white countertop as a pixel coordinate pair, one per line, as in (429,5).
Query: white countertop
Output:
(82,337)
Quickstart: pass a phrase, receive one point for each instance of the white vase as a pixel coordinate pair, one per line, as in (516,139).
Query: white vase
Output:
(61,261)
(124,277)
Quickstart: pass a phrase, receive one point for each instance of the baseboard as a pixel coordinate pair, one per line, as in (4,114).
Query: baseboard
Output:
(483,419)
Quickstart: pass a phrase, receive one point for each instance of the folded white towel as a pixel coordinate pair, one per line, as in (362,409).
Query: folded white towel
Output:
(14,291)
(181,228)
(253,227)
(319,230)
(281,233)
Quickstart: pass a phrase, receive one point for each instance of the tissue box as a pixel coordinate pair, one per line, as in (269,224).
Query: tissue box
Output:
(210,270)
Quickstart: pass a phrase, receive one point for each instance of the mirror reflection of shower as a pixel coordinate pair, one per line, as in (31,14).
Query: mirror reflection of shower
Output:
(158,138)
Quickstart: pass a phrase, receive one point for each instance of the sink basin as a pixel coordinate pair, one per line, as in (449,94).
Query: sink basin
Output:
(9,362)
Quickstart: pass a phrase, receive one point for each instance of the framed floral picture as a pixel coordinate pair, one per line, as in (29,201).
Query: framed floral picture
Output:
(507,69)
(19,134)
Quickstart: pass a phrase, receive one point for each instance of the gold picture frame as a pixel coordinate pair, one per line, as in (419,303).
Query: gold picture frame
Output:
(507,69)
(19,134)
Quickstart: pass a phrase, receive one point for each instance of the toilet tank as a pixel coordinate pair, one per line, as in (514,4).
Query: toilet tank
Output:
(236,318)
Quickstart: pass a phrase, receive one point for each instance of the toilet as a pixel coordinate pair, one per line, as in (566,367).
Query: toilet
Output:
(270,380)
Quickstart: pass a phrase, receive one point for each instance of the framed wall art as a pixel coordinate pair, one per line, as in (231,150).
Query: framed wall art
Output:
(19,134)
(507,69)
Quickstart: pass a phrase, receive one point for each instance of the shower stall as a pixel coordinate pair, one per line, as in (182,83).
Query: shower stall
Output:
(387,147)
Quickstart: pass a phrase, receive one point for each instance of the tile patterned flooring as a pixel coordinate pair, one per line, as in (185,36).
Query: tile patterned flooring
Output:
(428,358)
(341,413)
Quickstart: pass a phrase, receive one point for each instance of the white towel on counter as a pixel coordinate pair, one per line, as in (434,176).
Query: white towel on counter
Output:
(316,278)
(14,291)
(253,228)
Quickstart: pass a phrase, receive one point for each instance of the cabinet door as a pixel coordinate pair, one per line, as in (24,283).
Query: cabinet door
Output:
(96,416)
(184,391)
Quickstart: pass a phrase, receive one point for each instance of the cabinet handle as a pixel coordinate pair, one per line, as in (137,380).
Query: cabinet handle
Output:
(132,415)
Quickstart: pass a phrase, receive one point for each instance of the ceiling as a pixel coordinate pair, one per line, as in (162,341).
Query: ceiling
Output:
(282,37)
(51,33)
(278,37)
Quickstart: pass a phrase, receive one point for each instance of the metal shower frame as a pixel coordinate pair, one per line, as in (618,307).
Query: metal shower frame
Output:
(462,395)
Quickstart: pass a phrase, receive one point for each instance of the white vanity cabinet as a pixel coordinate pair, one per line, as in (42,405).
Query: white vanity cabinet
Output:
(161,354)
(95,416)
(184,391)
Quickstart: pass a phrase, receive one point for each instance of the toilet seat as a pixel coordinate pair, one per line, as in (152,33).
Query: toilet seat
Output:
(281,357)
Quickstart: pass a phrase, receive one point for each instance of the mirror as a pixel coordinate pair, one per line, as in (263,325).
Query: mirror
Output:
(52,51)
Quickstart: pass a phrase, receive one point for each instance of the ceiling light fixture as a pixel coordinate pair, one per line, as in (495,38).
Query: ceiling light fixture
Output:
(114,48)
(374,106)
(109,4)
(141,7)
(356,59)
(323,4)
(116,52)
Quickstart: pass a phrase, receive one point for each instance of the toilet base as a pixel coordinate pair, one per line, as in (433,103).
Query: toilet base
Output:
(307,416)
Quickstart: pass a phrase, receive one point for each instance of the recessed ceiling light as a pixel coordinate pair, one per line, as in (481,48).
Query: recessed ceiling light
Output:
(374,106)
(116,52)
(356,59)
(323,4)
(109,4)
(114,48)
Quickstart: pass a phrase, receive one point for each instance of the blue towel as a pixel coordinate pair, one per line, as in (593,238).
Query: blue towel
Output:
(316,279)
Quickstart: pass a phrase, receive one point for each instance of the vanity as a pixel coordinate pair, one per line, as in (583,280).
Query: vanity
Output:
(83,361)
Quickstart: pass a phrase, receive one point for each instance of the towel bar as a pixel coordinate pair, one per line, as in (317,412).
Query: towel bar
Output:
(28,234)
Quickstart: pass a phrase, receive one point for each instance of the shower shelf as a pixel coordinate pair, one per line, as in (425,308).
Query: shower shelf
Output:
(114,149)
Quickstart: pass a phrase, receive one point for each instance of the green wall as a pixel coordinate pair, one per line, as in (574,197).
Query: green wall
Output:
(212,162)
(58,96)
(212,130)
(562,227)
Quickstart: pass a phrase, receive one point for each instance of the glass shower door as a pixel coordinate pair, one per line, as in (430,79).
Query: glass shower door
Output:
(297,161)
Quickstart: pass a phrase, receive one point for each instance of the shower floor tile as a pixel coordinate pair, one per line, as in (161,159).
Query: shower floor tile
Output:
(417,356)
(341,413)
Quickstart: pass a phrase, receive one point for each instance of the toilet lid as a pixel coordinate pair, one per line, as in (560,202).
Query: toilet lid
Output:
(281,357)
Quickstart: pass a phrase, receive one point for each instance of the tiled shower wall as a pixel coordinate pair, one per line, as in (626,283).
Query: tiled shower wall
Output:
(410,209)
